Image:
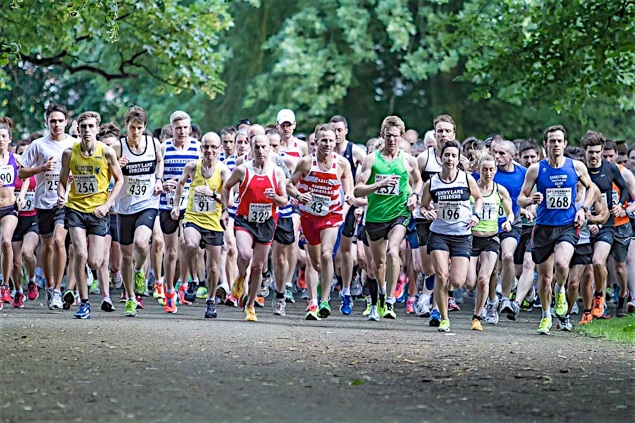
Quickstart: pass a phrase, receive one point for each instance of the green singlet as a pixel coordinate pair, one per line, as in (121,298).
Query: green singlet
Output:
(388,203)
(488,221)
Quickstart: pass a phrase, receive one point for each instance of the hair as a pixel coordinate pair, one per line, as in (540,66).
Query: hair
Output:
(573,152)
(610,145)
(23,142)
(243,122)
(528,145)
(228,130)
(509,146)
(156,133)
(136,113)
(4,125)
(108,129)
(301,136)
(7,120)
(393,121)
(273,131)
(166,132)
(243,131)
(443,118)
(449,144)
(54,107)
(339,118)
(554,128)
(196,129)
(35,135)
(591,139)
(631,149)
(483,155)
(89,115)
(323,127)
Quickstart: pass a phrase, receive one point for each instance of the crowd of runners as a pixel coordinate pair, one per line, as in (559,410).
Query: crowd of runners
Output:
(258,211)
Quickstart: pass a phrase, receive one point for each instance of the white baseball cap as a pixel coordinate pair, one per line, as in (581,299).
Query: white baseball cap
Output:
(285,115)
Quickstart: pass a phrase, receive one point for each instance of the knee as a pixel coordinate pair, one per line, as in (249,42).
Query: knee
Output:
(95,262)
(6,244)
(508,258)
(327,256)
(245,255)
(561,267)
(59,243)
(158,244)
(81,256)
(482,283)
(257,268)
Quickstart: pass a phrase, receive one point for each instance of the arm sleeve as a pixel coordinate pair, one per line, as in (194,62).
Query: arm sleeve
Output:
(30,155)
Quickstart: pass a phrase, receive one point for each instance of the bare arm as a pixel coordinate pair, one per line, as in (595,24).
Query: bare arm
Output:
(115,171)
(602,213)
(347,181)
(61,186)
(235,178)
(527,196)
(301,170)
(280,199)
(362,188)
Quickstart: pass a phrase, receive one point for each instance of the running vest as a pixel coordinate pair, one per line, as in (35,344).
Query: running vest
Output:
(9,172)
(454,210)
(388,203)
(202,210)
(174,161)
(432,166)
(605,177)
(616,194)
(252,203)
(488,221)
(348,155)
(584,234)
(138,179)
(324,187)
(29,198)
(293,150)
(286,211)
(558,188)
(91,176)
(513,181)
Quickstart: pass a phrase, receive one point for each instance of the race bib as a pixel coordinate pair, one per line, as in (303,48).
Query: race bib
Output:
(7,174)
(490,211)
(558,198)
(170,197)
(259,213)
(137,186)
(449,211)
(29,202)
(204,203)
(319,205)
(85,184)
(51,179)
(390,190)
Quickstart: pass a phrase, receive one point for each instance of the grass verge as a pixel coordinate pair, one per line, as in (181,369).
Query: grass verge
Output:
(617,330)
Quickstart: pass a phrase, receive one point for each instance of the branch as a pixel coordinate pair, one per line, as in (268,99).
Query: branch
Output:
(57,61)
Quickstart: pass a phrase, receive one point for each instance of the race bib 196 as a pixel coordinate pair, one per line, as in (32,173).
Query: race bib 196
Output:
(85,184)
(319,205)
(389,190)
(450,210)
(51,180)
(558,198)
(204,203)
(7,174)
(259,213)
(138,187)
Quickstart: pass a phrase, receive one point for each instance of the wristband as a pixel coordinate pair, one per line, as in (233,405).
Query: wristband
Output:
(297,194)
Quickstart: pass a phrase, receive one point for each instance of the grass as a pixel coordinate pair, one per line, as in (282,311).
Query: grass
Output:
(620,330)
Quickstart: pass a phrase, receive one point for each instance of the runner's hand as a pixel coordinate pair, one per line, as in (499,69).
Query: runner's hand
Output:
(101,211)
(158,187)
(123,161)
(537,198)
(169,184)
(304,198)
(506,226)
(60,201)
(580,218)
(49,165)
(175,213)
(594,229)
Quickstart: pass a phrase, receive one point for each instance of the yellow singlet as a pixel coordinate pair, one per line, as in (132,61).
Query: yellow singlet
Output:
(203,210)
(91,177)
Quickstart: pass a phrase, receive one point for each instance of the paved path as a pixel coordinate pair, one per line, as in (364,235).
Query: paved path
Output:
(168,368)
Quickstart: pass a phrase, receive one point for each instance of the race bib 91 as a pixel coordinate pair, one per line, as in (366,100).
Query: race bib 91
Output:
(558,198)
(204,203)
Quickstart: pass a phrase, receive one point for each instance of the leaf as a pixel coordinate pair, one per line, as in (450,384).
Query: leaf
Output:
(357,382)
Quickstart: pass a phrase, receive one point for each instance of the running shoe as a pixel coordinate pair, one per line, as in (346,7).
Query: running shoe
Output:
(401,282)
(181,296)
(422,306)
(250,314)
(190,292)
(630,307)
(389,312)
(107,305)
(564,324)
(545,325)
(201,293)
(139,300)
(527,305)
(410,305)
(435,318)
(221,292)
(83,312)
(288,294)
(49,298)
(56,300)
(5,294)
(301,280)
(159,290)
(381,304)
(373,314)
(491,313)
(78,300)
(561,303)
(130,309)
(304,295)
(356,286)
(368,306)
(69,299)
(139,283)
(452,305)
(40,281)
(117,280)
(324,309)
(575,309)
(279,306)
(267,281)
(210,309)
(597,306)
(94,288)
(586,318)
(444,326)
(238,288)
(312,313)
(515,311)
(231,301)
(260,301)
(505,306)
(170,302)
(122,299)
(32,291)
(346,308)
(476,324)
(18,300)
(620,311)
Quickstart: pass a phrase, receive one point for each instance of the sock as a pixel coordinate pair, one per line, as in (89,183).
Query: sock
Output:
(557,288)
(372,289)
(620,301)
(20,291)
(314,302)
(137,270)
(391,300)
(128,297)
(382,300)
(597,294)
(279,294)
(32,280)
(171,291)
(382,291)
(39,272)
(546,314)
(587,310)
(429,282)
(85,301)
(476,317)
(346,292)
(151,273)
(451,294)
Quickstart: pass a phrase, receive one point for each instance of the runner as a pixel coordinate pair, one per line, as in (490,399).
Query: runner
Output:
(290,144)
(555,234)
(141,163)
(390,179)
(322,183)
(91,164)
(205,215)
(450,239)
(261,190)
(43,159)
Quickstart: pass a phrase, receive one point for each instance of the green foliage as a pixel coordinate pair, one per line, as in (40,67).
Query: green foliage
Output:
(617,330)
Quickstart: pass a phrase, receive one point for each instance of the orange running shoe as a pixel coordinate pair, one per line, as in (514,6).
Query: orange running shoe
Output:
(238,288)
(301,281)
(260,301)
(250,314)
(597,309)
(170,302)
(586,318)
(159,290)
(181,295)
